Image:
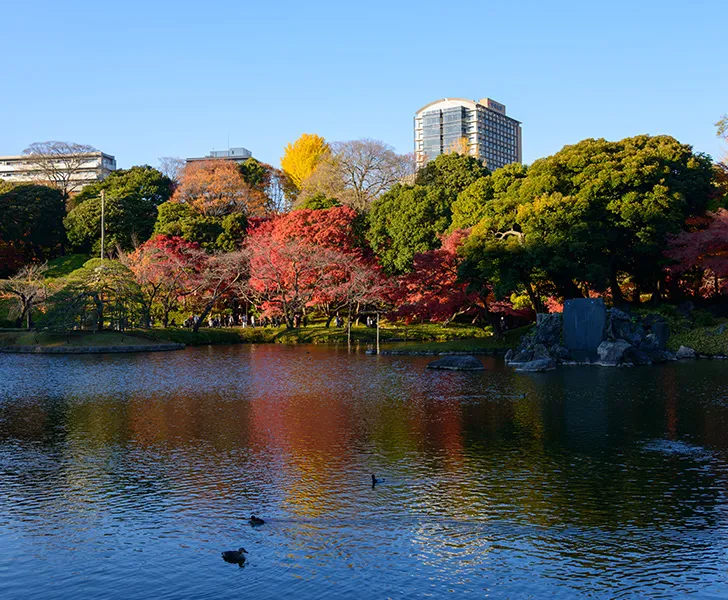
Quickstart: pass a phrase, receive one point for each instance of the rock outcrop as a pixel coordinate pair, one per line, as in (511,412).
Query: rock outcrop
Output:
(457,363)
(613,354)
(626,340)
(685,353)
(536,366)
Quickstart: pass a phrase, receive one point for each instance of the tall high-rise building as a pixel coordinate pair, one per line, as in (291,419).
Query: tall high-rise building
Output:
(481,128)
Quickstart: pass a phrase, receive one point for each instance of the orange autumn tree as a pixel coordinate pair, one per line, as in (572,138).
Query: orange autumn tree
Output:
(215,188)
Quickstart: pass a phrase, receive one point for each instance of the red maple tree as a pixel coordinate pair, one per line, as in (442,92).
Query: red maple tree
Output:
(166,269)
(700,255)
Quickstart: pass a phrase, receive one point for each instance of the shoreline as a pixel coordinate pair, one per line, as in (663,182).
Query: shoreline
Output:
(91,349)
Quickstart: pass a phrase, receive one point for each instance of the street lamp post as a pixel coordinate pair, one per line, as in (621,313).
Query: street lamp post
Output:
(103,203)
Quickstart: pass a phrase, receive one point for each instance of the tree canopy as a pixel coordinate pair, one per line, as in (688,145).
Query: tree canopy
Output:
(356,172)
(597,211)
(453,172)
(301,157)
(405,221)
(31,227)
(131,200)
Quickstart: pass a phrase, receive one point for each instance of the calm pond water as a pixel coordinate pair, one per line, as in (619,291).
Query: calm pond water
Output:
(125,477)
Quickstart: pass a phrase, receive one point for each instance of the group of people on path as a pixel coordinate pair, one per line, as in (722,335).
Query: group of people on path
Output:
(218,321)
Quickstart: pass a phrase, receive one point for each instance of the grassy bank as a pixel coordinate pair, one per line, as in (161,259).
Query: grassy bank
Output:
(318,334)
(481,345)
(65,265)
(76,339)
(710,341)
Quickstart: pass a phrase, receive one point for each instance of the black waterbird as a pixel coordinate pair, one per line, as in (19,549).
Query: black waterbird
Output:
(235,556)
(256,521)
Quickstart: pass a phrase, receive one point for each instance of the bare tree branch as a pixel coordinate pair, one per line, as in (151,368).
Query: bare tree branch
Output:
(58,164)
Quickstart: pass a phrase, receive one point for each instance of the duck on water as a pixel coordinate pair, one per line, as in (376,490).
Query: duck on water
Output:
(235,556)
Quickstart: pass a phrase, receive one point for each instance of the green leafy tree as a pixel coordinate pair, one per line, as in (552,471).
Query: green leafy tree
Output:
(234,228)
(469,208)
(453,172)
(405,221)
(132,198)
(317,202)
(213,233)
(31,227)
(101,294)
(599,211)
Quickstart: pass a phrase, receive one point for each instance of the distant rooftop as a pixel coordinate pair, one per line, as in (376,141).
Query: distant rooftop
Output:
(235,154)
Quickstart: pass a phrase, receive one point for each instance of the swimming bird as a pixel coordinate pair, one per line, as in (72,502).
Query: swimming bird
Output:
(256,521)
(235,556)
(375,481)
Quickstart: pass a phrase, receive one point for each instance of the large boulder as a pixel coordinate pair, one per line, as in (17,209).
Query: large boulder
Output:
(651,343)
(661,330)
(560,353)
(548,329)
(613,354)
(638,356)
(540,351)
(521,355)
(457,363)
(684,353)
(535,366)
(584,322)
(621,327)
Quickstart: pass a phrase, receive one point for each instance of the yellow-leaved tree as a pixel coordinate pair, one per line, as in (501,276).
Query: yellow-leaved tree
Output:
(301,158)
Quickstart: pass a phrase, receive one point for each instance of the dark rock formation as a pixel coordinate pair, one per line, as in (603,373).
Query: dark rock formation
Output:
(684,353)
(613,354)
(457,363)
(624,339)
(584,320)
(534,366)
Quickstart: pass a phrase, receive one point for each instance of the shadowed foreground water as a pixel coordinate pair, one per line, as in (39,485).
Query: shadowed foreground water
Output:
(125,476)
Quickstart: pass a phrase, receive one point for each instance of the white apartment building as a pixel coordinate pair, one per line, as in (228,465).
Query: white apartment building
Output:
(75,170)
(490,134)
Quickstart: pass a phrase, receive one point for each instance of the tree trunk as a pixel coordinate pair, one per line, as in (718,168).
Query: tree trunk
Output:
(99,312)
(535,300)
(377,332)
(348,329)
(205,312)
(494,320)
(617,297)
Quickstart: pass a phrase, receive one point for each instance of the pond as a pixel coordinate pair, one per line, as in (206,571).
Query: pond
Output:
(125,476)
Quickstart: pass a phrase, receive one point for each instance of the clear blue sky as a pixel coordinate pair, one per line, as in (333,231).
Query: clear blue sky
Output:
(141,80)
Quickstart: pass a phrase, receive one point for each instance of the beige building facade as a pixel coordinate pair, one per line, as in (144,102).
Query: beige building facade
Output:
(75,170)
